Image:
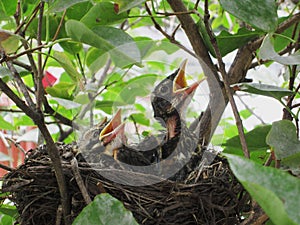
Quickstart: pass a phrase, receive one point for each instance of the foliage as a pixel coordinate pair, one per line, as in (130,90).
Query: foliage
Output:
(102,58)
(105,209)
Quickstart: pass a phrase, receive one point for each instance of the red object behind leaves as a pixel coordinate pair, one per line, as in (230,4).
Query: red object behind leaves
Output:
(48,80)
(116,7)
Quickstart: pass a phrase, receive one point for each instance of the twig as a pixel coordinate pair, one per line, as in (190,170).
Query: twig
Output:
(7,168)
(17,145)
(250,110)
(11,110)
(20,83)
(80,183)
(169,37)
(51,147)
(224,74)
(32,16)
(23,65)
(39,77)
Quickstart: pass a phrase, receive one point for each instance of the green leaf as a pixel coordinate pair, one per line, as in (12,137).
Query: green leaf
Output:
(228,42)
(62,90)
(118,43)
(9,210)
(79,10)
(125,5)
(139,118)
(8,7)
(260,14)
(107,106)
(61,5)
(67,104)
(23,121)
(245,114)
(102,13)
(267,52)
(96,59)
(283,138)
(284,39)
(277,192)
(67,64)
(263,89)
(105,209)
(256,142)
(5,125)
(9,42)
(137,86)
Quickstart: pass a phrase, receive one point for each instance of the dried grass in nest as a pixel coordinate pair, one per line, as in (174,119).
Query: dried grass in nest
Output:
(216,197)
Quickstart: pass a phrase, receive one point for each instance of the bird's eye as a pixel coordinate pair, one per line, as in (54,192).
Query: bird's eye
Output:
(96,134)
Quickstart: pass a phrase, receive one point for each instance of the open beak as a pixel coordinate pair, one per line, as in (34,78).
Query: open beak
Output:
(180,84)
(114,128)
(180,80)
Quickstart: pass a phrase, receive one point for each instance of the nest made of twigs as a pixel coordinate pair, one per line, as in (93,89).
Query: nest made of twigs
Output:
(215,198)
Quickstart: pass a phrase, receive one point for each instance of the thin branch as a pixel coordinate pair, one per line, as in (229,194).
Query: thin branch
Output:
(23,65)
(169,37)
(17,145)
(21,84)
(39,77)
(19,102)
(210,119)
(32,16)
(250,110)
(7,168)
(224,74)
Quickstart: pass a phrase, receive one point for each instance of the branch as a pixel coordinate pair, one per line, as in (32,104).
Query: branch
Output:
(228,90)
(39,76)
(169,37)
(20,83)
(217,103)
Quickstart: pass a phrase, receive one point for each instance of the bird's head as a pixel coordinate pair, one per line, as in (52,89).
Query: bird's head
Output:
(112,136)
(171,97)
(104,137)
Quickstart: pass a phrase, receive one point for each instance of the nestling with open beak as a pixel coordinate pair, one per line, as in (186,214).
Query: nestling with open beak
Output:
(170,99)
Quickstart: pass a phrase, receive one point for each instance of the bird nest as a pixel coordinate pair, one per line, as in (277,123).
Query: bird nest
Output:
(210,196)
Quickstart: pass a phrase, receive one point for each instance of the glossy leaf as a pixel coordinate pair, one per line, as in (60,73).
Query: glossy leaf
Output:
(283,138)
(9,42)
(107,106)
(277,192)
(79,10)
(62,90)
(8,7)
(124,5)
(256,142)
(118,43)
(267,52)
(5,125)
(228,42)
(140,118)
(96,58)
(263,89)
(138,86)
(67,64)
(105,209)
(9,210)
(260,14)
(60,5)
(102,13)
